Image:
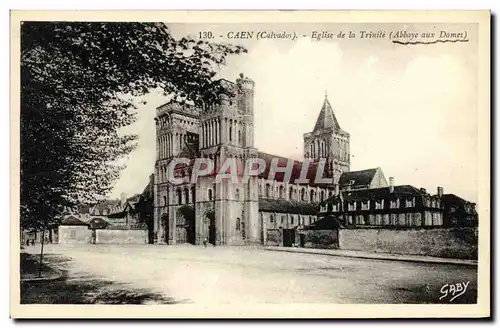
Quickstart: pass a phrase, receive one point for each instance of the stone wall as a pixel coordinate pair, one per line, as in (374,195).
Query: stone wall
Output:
(74,235)
(320,239)
(452,243)
(105,236)
(273,237)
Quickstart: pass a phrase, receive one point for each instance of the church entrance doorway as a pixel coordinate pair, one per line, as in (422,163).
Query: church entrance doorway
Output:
(185,225)
(165,226)
(211,227)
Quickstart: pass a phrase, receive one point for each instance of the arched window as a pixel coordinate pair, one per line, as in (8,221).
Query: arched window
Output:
(186,195)
(311,196)
(164,200)
(268,190)
(239,137)
(179,196)
(237,194)
(230,133)
(281,191)
(290,194)
(322,196)
(238,227)
(210,196)
(303,194)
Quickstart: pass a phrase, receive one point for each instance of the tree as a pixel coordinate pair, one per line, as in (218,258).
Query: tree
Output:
(78,85)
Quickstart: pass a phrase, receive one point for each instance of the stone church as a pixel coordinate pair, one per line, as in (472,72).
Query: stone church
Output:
(228,213)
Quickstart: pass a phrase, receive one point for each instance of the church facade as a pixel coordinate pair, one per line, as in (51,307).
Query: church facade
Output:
(238,213)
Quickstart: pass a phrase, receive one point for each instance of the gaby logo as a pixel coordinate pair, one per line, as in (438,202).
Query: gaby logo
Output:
(453,290)
(186,170)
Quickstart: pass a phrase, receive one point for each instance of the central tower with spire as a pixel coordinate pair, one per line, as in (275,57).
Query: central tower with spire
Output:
(328,141)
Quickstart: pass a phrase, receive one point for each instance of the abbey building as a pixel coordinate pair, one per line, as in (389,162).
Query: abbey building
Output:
(231,213)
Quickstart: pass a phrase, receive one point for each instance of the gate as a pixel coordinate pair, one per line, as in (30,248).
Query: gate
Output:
(288,237)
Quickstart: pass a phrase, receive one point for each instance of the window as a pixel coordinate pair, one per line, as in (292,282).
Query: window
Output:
(393,219)
(335,207)
(238,224)
(210,196)
(351,206)
(281,191)
(322,196)
(365,205)
(282,218)
(230,133)
(239,137)
(165,200)
(311,196)
(293,220)
(237,194)
(179,196)
(378,219)
(349,219)
(303,194)
(410,202)
(186,195)
(395,203)
(271,218)
(268,190)
(72,234)
(409,219)
(290,194)
(360,219)
(379,204)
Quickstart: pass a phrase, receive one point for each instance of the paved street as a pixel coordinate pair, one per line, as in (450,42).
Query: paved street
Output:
(248,275)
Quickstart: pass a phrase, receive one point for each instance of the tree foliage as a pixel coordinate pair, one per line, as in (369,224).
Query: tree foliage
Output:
(78,83)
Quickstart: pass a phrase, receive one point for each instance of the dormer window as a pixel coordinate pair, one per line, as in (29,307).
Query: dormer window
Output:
(395,203)
(379,204)
(410,202)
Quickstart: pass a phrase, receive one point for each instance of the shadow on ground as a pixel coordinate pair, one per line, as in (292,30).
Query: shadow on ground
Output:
(82,290)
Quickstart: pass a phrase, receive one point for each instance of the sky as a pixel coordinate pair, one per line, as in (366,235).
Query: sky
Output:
(410,109)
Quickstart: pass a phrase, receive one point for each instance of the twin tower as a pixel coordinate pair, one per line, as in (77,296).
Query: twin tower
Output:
(224,213)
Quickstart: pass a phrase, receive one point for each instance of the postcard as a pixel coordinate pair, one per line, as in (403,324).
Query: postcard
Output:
(240,164)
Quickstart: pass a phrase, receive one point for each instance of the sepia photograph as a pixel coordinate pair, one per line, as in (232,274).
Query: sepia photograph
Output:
(198,160)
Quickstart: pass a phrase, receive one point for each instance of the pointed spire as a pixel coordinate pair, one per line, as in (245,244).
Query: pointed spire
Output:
(326,118)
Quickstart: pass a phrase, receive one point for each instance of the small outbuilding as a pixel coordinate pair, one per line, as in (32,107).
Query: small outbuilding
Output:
(74,231)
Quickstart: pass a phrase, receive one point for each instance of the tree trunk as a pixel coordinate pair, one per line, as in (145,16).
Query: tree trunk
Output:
(41,251)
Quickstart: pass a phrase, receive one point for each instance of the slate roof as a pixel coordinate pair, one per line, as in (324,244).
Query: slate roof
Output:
(72,221)
(382,193)
(286,206)
(359,178)
(326,118)
(296,170)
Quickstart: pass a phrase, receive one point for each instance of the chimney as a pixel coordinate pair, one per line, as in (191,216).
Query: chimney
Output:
(440,191)
(391,184)
(123,197)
